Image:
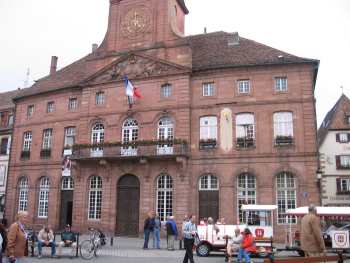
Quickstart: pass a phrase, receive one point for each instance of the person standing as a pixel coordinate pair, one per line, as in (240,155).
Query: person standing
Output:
(46,239)
(3,233)
(171,230)
(147,229)
(234,244)
(156,232)
(17,239)
(247,247)
(311,239)
(189,234)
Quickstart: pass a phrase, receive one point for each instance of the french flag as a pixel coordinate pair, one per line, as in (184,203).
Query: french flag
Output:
(131,91)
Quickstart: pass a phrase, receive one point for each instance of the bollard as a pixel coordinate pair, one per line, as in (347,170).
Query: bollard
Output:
(112,241)
(180,244)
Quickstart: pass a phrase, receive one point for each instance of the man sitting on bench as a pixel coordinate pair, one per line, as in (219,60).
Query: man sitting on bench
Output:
(234,244)
(68,239)
(46,239)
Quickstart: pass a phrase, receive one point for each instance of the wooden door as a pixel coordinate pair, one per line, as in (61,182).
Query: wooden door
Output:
(128,205)
(209,204)
(66,208)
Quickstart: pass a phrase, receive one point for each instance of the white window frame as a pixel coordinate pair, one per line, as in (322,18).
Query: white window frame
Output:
(344,161)
(246,194)
(30,111)
(72,104)
(67,183)
(243,86)
(208,127)
(165,133)
(245,125)
(286,192)
(343,137)
(44,190)
(50,107)
(164,196)
(95,198)
(130,133)
(166,90)
(27,141)
(23,189)
(100,98)
(69,134)
(97,137)
(345,185)
(3,171)
(47,139)
(208,182)
(283,123)
(208,89)
(281,84)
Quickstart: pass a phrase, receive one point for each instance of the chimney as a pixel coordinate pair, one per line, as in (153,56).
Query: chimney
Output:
(234,39)
(94,47)
(205,30)
(53,67)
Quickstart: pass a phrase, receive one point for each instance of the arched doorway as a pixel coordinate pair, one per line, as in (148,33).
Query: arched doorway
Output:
(128,206)
(209,197)
(66,214)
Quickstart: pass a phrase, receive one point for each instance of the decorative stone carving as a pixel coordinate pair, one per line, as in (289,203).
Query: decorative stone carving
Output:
(136,22)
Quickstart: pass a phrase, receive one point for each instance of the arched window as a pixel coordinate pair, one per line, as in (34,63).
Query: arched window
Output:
(246,195)
(286,196)
(67,183)
(95,198)
(44,190)
(165,133)
(245,130)
(208,182)
(130,133)
(283,127)
(164,196)
(23,194)
(97,137)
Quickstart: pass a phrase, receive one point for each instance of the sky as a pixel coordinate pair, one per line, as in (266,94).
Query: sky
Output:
(32,31)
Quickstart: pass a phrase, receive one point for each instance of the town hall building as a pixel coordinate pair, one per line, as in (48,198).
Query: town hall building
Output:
(222,121)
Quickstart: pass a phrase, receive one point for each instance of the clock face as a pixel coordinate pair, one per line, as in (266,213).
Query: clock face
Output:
(136,22)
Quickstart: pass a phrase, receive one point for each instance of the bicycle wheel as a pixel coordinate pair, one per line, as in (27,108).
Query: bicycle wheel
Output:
(87,249)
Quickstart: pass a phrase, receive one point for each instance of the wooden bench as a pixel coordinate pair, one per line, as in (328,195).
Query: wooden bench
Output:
(338,258)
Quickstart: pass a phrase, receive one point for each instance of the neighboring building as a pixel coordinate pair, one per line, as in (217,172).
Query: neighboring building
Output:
(239,118)
(6,125)
(334,148)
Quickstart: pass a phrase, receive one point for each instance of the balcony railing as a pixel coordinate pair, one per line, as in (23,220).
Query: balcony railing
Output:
(207,144)
(25,155)
(135,149)
(284,140)
(245,142)
(45,153)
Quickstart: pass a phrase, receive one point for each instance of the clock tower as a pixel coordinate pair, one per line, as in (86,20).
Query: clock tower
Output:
(139,24)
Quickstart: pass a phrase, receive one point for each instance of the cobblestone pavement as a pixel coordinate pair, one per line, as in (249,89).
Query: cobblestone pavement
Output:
(129,250)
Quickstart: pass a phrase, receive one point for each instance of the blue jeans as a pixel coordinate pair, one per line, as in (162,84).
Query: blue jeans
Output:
(156,238)
(18,260)
(243,254)
(51,244)
(147,232)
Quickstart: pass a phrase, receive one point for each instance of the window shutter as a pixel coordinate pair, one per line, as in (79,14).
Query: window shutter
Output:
(337,161)
(338,185)
(337,137)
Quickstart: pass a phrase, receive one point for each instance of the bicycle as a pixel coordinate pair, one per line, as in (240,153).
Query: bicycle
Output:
(90,247)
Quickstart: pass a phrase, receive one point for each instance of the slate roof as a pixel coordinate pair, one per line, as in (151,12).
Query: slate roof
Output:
(335,118)
(209,51)
(183,6)
(6,99)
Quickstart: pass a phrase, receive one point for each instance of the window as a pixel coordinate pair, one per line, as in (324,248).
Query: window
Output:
(100,98)
(208,128)
(130,133)
(27,141)
(2,174)
(164,197)
(95,198)
(347,119)
(23,194)
(69,137)
(50,107)
(44,197)
(4,146)
(243,86)
(245,130)
(208,89)
(30,111)
(343,185)
(246,195)
(165,133)
(67,183)
(72,104)
(47,139)
(286,197)
(208,182)
(283,128)
(342,137)
(10,123)
(166,90)
(281,84)
(343,161)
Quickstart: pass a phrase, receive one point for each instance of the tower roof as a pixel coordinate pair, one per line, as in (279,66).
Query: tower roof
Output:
(183,6)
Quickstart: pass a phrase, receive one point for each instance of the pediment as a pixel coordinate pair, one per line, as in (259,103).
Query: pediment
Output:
(136,67)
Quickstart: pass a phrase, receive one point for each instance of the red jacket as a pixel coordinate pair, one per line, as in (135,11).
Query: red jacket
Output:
(248,243)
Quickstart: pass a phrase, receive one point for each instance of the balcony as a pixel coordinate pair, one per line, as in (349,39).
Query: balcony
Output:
(133,150)
(245,143)
(284,140)
(207,144)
